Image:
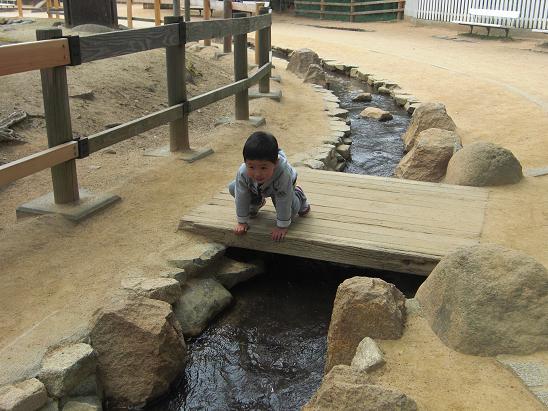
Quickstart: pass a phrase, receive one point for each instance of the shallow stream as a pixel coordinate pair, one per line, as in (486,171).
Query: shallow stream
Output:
(267,351)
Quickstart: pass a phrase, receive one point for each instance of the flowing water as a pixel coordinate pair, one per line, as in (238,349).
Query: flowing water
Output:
(267,351)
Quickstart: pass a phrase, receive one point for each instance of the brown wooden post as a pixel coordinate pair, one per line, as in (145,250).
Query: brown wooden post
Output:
(227,14)
(258,7)
(176,90)
(322,9)
(130,13)
(263,46)
(48,8)
(157,16)
(187,10)
(401,4)
(240,72)
(207,15)
(57,6)
(58,124)
(20,7)
(352,9)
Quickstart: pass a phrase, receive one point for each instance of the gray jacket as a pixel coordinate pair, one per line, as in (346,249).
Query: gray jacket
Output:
(280,187)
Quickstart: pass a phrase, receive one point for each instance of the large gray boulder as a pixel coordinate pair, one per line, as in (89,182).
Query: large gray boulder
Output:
(428,159)
(364,307)
(488,300)
(427,115)
(28,395)
(201,301)
(483,164)
(345,388)
(315,75)
(69,369)
(140,347)
(300,60)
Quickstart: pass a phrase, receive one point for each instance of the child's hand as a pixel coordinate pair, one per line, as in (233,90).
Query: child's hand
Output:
(241,228)
(278,234)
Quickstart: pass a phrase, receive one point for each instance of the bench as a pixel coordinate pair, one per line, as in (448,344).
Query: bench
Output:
(502,14)
(545,31)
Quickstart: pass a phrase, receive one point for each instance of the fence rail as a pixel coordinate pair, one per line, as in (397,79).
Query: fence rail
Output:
(53,53)
(533,13)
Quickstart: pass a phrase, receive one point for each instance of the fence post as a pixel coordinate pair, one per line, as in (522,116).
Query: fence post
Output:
(48,7)
(258,7)
(207,15)
(58,124)
(187,10)
(130,14)
(176,7)
(240,72)
(20,7)
(157,16)
(227,14)
(176,88)
(263,46)
(57,6)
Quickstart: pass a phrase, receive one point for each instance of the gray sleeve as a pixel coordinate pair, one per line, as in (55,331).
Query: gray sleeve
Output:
(284,201)
(242,198)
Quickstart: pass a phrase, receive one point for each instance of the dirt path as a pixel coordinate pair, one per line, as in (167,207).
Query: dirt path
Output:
(56,274)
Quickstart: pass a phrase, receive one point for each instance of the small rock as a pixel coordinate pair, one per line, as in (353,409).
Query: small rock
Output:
(332,140)
(87,95)
(314,164)
(401,99)
(344,151)
(163,289)
(28,395)
(340,167)
(363,97)
(376,114)
(233,272)
(384,90)
(110,151)
(347,140)
(354,72)
(411,107)
(368,356)
(338,112)
(202,299)
(194,264)
(65,368)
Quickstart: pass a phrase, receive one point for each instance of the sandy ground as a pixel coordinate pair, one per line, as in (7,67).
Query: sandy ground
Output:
(55,274)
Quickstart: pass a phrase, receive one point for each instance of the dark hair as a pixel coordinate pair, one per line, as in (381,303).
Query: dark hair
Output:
(261,146)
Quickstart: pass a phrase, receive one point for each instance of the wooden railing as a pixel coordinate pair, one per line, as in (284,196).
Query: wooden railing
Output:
(351,10)
(53,53)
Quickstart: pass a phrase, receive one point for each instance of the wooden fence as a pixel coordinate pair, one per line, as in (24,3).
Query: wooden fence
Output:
(533,13)
(350,10)
(54,52)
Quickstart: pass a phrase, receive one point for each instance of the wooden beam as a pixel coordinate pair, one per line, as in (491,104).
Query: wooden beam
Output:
(37,162)
(241,106)
(226,91)
(200,30)
(35,55)
(227,14)
(124,131)
(157,16)
(130,13)
(57,6)
(118,43)
(20,7)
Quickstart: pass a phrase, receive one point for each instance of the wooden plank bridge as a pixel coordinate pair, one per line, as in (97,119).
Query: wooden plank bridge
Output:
(378,222)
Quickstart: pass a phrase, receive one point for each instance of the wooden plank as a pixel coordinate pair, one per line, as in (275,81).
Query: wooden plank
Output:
(20,8)
(318,247)
(37,162)
(124,131)
(227,14)
(18,58)
(118,43)
(391,184)
(226,91)
(440,224)
(398,238)
(200,30)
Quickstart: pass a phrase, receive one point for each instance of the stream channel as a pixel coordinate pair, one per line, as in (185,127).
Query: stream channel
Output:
(266,352)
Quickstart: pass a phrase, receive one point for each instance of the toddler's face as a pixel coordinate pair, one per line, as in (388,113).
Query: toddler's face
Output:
(260,170)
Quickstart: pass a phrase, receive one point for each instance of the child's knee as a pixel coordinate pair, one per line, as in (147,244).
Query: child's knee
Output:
(232,188)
